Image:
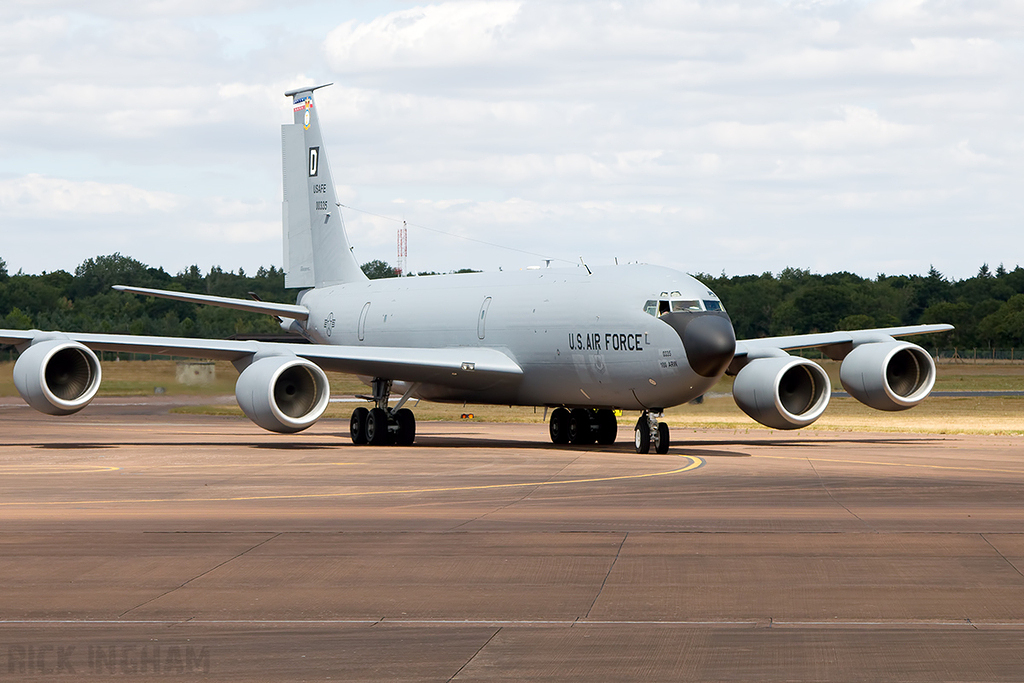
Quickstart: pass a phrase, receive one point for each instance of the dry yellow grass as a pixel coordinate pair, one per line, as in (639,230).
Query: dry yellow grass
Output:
(938,414)
(142,378)
(950,377)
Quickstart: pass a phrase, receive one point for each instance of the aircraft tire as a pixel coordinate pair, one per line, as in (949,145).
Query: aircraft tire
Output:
(580,431)
(406,427)
(661,440)
(642,436)
(607,427)
(357,426)
(377,427)
(559,426)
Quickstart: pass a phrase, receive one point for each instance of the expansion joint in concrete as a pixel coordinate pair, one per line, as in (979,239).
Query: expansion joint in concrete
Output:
(609,573)
(199,575)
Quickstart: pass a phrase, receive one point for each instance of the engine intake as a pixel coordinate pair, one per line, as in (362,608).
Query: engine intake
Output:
(782,392)
(888,375)
(57,377)
(283,393)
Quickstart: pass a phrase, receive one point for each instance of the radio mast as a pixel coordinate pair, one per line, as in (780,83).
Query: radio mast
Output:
(403,250)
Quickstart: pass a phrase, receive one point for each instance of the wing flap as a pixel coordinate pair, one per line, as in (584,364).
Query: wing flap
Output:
(464,367)
(214,349)
(454,366)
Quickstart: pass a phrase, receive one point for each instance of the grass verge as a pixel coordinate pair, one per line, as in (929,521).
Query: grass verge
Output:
(937,415)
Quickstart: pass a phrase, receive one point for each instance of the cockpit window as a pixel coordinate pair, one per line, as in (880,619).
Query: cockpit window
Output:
(685,305)
(660,307)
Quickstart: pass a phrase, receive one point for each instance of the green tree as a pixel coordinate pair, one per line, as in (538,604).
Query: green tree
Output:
(17,320)
(99,274)
(378,269)
(819,308)
(1005,326)
(857,321)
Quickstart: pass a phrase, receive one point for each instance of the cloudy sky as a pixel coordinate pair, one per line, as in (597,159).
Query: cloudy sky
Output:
(874,137)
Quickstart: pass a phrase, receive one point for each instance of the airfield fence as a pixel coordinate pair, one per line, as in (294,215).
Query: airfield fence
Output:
(974,356)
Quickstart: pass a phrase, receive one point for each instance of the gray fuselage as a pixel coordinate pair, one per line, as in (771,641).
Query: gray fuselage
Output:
(581,339)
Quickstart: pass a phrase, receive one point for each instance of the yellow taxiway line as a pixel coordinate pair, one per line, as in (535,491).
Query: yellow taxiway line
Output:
(694,463)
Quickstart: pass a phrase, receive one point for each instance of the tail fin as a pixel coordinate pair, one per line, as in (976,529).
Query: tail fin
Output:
(316,248)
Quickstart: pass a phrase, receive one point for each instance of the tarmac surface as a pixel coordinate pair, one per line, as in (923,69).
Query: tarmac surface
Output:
(138,544)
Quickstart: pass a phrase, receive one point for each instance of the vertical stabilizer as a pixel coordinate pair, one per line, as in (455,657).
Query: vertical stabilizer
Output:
(316,248)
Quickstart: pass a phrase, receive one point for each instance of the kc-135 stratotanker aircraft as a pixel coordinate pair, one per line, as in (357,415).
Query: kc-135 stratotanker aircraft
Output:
(585,342)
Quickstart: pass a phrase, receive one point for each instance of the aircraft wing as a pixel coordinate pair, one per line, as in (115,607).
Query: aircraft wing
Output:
(832,343)
(467,367)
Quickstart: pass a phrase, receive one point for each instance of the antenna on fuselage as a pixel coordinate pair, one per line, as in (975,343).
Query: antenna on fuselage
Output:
(585,266)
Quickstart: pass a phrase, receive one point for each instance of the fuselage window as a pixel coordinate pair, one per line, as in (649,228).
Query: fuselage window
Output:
(712,305)
(651,307)
(685,305)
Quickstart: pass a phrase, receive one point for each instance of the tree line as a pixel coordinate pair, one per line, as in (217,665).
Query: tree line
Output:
(987,309)
(83,301)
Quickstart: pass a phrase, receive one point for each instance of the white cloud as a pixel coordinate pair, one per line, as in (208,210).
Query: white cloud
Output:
(40,197)
(447,34)
(768,133)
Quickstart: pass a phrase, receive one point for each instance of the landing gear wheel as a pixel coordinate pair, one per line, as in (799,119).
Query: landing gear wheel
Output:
(377,427)
(357,426)
(661,439)
(406,427)
(642,436)
(580,431)
(607,427)
(559,427)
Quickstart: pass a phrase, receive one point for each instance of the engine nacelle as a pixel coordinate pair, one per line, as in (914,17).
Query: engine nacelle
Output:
(782,392)
(888,375)
(58,376)
(283,393)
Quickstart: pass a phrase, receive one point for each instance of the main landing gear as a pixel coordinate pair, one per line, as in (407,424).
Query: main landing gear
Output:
(583,426)
(382,425)
(649,432)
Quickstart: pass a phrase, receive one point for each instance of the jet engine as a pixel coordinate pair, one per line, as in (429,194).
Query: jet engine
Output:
(283,393)
(58,376)
(783,392)
(888,375)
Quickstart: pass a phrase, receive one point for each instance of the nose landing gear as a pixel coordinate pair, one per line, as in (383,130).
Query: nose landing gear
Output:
(649,431)
(382,424)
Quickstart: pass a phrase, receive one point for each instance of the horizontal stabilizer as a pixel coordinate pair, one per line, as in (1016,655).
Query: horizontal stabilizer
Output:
(270,308)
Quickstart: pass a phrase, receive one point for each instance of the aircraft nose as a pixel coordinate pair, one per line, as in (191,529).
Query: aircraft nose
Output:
(710,343)
(708,339)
